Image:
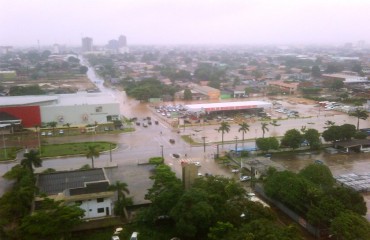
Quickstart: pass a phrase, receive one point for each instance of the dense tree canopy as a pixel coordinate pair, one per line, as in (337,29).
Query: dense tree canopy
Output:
(312,194)
(336,133)
(312,136)
(149,88)
(292,138)
(266,144)
(214,207)
(52,221)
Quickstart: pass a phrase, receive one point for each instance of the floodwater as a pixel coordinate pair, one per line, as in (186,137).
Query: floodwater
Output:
(339,163)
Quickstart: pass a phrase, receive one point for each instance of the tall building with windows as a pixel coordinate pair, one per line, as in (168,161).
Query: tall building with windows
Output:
(87,44)
(122,44)
(122,41)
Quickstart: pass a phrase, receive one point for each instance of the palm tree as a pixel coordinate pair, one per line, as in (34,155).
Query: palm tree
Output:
(329,124)
(264,129)
(275,124)
(359,114)
(122,201)
(53,125)
(32,159)
(120,188)
(244,128)
(68,125)
(91,153)
(225,127)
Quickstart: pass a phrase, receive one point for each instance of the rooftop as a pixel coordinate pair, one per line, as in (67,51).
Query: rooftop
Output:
(59,100)
(54,183)
(228,105)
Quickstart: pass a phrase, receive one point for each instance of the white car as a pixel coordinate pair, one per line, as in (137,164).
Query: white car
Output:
(234,170)
(245,178)
(134,236)
(197,164)
(115,238)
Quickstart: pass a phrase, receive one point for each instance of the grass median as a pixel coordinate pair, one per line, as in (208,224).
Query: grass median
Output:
(68,149)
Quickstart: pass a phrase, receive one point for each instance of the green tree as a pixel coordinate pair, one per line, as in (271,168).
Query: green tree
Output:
(83,70)
(92,152)
(292,138)
(319,174)
(164,194)
(187,94)
(359,114)
(224,127)
(351,199)
(332,134)
(265,144)
(52,125)
(264,128)
(32,159)
(315,71)
(220,230)
(329,123)
(244,128)
(68,125)
(347,131)
(348,226)
(322,213)
(52,221)
(120,205)
(193,213)
(336,84)
(313,138)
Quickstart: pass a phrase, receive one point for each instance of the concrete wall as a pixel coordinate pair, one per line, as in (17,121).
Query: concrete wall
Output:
(91,207)
(79,114)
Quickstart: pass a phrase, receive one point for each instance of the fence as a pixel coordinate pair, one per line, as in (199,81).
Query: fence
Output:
(318,233)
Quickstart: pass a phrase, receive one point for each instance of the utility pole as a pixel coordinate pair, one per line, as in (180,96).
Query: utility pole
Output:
(162,151)
(4,145)
(204,144)
(110,152)
(236,144)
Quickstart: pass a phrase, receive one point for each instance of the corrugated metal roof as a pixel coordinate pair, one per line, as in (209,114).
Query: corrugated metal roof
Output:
(54,183)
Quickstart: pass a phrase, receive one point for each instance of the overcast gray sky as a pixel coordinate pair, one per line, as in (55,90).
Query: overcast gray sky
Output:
(23,22)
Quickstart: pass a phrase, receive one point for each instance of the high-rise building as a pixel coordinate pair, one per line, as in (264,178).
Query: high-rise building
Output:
(122,44)
(122,41)
(87,44)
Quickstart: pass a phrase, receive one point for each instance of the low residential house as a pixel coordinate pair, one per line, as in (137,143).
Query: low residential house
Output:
(87,188)
(205,92)
(290,87)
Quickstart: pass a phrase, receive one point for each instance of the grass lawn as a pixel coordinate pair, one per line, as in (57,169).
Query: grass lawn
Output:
(73,148)
(10,154)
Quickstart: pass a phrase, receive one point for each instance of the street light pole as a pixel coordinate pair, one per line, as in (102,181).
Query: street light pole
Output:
(236,144)
(162,151)
(4,145)
(204,144)
(110,152)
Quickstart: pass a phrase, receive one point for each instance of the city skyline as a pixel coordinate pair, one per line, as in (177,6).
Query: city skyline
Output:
(184,22)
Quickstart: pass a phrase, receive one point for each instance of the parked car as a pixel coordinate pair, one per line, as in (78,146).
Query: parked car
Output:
(61,131)
(50,133)
(244,178)
(172,141)
(134,236)
(43,133)
(197,164)
(234,170)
